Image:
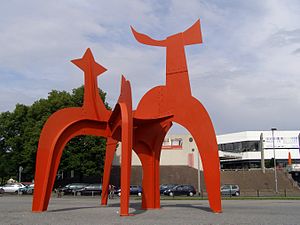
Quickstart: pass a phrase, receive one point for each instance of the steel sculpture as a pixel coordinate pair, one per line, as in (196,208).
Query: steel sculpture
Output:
(163,105)
(142,130)
(90,119)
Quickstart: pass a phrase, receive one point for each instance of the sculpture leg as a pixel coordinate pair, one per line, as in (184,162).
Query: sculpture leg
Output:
(125,158)
(208,150)
(111,145)
(51,144)
(200,126)
(150,184)
(148,142)
(47,163)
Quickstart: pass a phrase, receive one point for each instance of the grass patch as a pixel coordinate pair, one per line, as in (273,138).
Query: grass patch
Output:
(227,198)
(262,198)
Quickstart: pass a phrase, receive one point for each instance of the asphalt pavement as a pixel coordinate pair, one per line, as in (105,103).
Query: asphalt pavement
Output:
(80,210)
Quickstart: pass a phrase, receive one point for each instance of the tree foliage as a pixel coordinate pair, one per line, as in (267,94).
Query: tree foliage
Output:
(20,131)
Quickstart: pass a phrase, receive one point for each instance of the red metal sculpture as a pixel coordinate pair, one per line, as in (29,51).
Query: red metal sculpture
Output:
(142,130)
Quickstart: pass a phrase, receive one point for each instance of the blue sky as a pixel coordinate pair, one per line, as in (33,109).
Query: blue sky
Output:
(246,72)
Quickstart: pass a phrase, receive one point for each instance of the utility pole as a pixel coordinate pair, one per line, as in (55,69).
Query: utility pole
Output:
(262,152)
(199,175)
(275,170)
(20,173)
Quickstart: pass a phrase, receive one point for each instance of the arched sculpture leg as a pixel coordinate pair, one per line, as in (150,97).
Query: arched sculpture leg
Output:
(160,136)
(111,145)
(51,145)
(198,123)
(148,142)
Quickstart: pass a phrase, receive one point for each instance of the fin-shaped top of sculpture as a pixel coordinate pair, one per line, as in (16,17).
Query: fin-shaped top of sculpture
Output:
(190,36)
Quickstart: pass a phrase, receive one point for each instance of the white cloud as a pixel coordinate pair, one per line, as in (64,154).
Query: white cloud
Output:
(246,72)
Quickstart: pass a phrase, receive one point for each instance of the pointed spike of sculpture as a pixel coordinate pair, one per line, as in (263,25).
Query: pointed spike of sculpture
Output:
(91,70)
(87,62)
(145,39)
(193,34)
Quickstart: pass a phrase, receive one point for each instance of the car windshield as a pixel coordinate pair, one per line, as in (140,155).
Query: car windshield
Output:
(95,185)
(12,185)
(225,187)
(77,185)
(175,187)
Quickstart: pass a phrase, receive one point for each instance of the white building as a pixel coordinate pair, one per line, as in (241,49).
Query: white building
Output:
(236,150)
(179,150)
(250,148)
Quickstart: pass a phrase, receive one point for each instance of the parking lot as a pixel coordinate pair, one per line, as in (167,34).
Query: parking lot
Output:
(87,210)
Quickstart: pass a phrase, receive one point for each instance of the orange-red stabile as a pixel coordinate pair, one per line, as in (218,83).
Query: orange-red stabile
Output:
(142,130)
(174,99)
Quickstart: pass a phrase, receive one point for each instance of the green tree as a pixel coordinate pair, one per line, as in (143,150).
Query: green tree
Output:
(20,131)
(11,136)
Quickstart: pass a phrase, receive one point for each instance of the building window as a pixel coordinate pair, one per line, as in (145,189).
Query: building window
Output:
(245,146)
(172,143)
(166,142)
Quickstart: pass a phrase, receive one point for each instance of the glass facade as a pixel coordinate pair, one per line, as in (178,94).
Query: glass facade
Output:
(245,146)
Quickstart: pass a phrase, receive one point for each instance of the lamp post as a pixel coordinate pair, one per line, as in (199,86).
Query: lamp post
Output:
(199,175)
(20,173)
(198,162)
(275,171)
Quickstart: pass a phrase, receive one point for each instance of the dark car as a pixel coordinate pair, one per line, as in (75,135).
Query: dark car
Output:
(91,189)
(185,189)
(164,187)
(134,190)
(71,188)
(230,189)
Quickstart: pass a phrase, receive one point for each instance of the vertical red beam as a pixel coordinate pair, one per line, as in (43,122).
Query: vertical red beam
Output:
(111,145)
(289,159)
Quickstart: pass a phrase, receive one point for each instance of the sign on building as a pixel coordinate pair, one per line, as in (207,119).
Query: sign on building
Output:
(281,142)
(172,143)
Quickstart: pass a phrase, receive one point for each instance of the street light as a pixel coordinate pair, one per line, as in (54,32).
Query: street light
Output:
(275,171)
(20,173)
(199,173)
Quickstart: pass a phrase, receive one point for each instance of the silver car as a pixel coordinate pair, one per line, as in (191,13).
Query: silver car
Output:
(12,188)
(230,189)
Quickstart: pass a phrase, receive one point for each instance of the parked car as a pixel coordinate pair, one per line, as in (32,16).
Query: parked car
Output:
(230,189)
(12,188)
(71,188)
(134,190)
(91,189)
(1,191)
(164,187)
(28,189)
(185,189)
